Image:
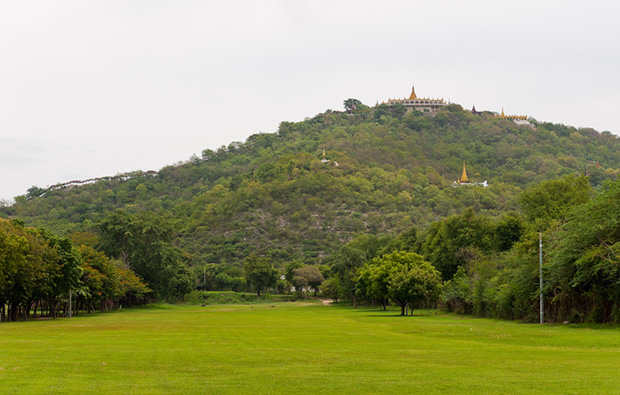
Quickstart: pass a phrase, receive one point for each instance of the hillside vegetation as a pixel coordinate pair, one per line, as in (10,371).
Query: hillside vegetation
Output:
(272,195)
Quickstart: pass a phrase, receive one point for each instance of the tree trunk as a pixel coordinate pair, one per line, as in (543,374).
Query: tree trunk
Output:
(13,313)
(27,310)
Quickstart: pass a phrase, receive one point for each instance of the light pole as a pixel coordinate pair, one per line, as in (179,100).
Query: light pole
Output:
(541,276)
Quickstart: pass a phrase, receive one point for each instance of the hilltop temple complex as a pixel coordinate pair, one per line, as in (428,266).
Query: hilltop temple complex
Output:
(431,106)
(414,102)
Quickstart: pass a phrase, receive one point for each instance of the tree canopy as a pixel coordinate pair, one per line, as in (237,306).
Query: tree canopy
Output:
(259,273)
(143,242)
(404,277)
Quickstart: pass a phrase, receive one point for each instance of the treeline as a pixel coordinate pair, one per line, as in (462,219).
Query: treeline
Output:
(490,266)
(39,272)
(384,171)
(130,259)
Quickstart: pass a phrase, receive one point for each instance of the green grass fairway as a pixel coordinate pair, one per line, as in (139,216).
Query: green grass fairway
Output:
(303,349)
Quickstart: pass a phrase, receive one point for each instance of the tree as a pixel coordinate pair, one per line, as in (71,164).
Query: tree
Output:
(457,240)
(411,284)
(290,268)
(584,267)
(143,242)
(507,232)
(308,277)
(34,192)
(404,277)
(551,200)
(259,273)
(351,104)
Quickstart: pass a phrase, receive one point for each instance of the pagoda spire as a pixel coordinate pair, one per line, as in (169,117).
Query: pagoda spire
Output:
(464,175)
(413,96)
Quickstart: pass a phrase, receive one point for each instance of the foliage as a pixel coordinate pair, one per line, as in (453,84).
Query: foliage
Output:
(351,104)
(272,196)
(143,242)
(551,200)
(384,185)
(584,267)
(307,277)
(403,277)
(259,273)
(39,270)
(457,240)
(581,235)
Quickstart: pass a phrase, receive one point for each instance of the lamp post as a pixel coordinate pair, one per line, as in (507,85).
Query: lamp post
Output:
(541,276)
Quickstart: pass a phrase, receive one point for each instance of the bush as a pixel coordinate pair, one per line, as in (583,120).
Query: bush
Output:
(193,297)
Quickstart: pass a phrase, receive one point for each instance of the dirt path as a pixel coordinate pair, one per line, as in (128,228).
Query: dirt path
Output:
(327,301)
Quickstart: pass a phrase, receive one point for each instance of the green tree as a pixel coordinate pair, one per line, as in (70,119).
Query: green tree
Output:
(307,277)
(34,192)
(404,277)
(551,200)
(457,240)
(508,231)
(259,273)
(143,242)
(411,285)
(351,104)
(584,268)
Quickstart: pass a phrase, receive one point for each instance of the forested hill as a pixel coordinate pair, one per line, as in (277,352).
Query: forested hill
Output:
(383,172)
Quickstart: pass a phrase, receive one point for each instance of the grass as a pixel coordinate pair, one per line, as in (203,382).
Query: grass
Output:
(302,348)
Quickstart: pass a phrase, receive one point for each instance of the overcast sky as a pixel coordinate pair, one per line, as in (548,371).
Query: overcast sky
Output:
(95,88)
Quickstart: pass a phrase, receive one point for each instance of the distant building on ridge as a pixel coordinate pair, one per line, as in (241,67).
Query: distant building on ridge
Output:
(424,105)
(518,119)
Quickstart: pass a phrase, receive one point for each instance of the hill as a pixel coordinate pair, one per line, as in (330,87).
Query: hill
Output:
(383,171)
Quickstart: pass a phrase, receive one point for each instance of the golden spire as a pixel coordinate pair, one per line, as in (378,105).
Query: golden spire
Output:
(413,95)
(323,153)
(464,176)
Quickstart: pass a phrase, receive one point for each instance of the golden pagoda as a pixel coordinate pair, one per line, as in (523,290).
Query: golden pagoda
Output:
(413,96)
(465,181)
(464,175)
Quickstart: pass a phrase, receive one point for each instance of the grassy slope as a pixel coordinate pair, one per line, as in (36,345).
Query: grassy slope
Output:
(292,348)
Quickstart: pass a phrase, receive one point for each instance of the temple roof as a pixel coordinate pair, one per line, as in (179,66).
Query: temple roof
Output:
(513,117)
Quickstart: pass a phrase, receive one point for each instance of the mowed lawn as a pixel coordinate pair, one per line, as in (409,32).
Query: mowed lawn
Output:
(296,348)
